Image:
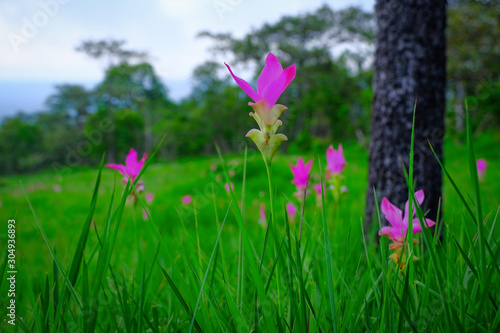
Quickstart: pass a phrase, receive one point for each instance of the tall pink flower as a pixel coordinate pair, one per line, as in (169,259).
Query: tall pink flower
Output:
(301,173)
(132,166)
(271,83)
(335,161)
(481,167)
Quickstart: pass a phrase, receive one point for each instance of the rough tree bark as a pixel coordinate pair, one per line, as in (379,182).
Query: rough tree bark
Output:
(410,66)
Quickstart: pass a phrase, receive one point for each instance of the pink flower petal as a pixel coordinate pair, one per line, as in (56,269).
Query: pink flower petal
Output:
(273,90)
(270,72)
(119,167)
(149,197)
(247,88)
(419,195)
(417,227)
(131,159)
(392,213)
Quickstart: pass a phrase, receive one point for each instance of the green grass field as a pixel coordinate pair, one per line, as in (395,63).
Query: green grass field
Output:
(273,285)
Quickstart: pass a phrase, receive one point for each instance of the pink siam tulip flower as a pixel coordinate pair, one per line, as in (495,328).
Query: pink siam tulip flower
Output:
(271,83)
(149,197)
(301,173)
(481,167)
(132,166)
(399,223)
(292,211)
(335,160)
(226,187)
(399,227)
(187,199)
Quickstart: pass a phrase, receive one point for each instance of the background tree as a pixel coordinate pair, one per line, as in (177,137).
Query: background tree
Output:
(410,64)
(115,55)
(473,55)
(134,87)
(72,101)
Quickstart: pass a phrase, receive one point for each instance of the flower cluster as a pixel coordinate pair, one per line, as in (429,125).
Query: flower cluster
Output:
(399,225)
(333,176)
(271,83)
(335,163)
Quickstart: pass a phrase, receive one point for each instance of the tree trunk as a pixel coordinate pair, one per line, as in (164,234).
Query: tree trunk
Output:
(409,68)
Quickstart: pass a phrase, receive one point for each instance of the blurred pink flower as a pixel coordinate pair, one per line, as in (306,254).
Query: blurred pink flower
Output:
(57,188)
(226,187)
(317,189)
(271,83)
(335,160)
(291,210)
(399,223)
(187,199)
(301,173)
(145,213)
(149,197)
(132,166)
(262,211)
(481,167)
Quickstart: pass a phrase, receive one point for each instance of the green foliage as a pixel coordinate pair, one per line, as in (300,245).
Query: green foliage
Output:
(329,99)
(181,269)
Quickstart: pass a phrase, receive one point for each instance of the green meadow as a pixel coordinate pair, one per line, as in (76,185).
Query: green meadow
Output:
(178,270)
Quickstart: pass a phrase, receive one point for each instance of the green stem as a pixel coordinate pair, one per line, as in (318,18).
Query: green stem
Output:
(271,201)
(272,224)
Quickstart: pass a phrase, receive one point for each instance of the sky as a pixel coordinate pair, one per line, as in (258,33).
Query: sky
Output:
(38,39)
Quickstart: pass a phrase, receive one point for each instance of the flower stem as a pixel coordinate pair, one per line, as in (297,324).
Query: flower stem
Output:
(272,225)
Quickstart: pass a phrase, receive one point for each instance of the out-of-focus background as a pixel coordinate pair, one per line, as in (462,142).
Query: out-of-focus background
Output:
(81,78)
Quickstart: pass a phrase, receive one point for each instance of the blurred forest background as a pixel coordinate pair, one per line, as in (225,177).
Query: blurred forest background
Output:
(329,100)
